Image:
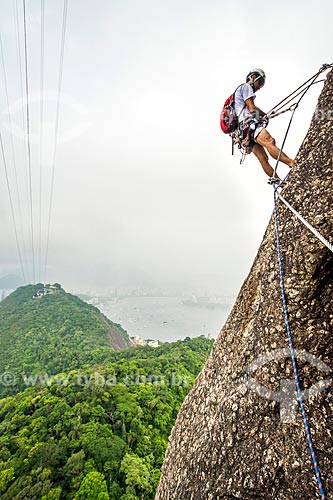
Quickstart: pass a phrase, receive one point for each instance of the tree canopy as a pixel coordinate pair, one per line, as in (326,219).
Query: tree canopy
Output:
(99,432)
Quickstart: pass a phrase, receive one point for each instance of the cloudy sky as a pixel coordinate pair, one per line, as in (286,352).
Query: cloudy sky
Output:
(146,192)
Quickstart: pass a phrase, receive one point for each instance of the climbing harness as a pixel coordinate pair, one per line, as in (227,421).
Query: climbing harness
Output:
(243,137)
(276,183)
(292,352)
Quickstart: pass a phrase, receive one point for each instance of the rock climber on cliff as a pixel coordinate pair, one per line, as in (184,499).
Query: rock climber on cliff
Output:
(252,131)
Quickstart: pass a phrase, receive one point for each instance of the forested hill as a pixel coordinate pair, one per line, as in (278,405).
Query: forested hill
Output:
(50,334)
(99,433)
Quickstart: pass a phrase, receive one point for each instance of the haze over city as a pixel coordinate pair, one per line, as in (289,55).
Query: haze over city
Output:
(146,193)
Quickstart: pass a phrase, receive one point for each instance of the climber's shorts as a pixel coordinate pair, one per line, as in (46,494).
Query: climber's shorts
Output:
(257,131)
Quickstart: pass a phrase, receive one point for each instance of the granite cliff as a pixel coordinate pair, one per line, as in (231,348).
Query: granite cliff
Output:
(240,433)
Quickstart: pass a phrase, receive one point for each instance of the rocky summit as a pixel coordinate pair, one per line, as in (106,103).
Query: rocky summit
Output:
(240,432)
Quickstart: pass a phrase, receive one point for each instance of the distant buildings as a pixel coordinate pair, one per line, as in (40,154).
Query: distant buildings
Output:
(221,302)
(140,341)
(47,290)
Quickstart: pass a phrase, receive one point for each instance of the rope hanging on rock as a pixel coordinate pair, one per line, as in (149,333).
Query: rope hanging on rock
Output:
(292,352)
(305,222)
(276,184)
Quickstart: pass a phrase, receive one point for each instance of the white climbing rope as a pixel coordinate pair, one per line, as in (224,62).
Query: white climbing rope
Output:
(306,223)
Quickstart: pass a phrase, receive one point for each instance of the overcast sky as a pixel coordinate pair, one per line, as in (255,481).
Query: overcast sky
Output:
(146,191)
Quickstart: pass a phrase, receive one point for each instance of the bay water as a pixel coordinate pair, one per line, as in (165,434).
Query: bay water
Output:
(166,319)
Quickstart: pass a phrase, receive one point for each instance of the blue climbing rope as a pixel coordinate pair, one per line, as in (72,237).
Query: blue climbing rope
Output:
(292,352)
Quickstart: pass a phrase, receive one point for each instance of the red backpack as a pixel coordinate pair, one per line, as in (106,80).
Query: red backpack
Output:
(228,117)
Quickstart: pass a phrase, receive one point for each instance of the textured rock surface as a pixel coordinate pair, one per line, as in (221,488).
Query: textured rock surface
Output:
(230,441)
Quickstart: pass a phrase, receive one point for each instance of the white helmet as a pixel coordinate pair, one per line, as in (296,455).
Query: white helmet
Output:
(259,74)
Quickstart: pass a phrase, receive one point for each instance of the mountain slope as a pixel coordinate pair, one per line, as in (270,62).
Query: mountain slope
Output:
(54,333)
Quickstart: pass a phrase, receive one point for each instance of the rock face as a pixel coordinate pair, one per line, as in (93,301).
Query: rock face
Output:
(240,433)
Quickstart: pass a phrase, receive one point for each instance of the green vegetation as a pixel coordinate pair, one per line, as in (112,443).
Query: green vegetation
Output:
(99,433)
(79,420)
(51,334)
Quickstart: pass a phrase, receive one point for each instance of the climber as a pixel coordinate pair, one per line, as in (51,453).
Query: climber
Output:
(252,120)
